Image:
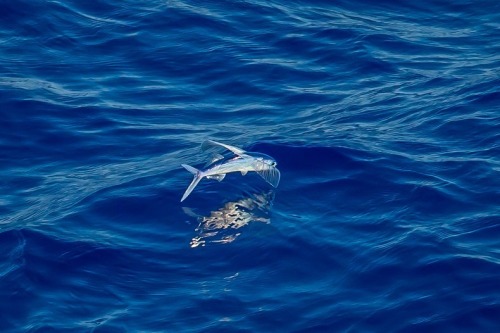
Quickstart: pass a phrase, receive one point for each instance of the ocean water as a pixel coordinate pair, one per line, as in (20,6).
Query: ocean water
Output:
(383,116)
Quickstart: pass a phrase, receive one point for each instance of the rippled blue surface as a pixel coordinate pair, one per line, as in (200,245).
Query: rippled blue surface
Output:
(383,117)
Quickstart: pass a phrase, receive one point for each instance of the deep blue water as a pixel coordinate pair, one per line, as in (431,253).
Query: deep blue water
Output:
(384,118)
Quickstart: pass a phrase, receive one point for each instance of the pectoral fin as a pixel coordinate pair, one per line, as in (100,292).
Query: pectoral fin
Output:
(214,158)
(270,173)
(219,177)
(244,172)
(208,144)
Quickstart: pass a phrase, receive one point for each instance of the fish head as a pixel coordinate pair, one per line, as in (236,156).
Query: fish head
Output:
(265,166)
(265,160)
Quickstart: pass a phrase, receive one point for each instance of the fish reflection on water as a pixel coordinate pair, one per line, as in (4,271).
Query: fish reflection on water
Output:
(223,224)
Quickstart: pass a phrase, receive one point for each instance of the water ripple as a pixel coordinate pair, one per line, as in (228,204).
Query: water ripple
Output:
(383,118)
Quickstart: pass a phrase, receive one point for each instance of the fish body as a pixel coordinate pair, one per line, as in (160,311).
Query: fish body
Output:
(243,162)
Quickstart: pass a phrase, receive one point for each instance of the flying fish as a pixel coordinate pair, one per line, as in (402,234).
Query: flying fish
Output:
(242,161)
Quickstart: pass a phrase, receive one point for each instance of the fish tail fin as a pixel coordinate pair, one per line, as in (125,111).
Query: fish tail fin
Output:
(197,177)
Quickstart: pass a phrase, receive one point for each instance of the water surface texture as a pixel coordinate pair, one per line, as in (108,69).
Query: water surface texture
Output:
(384,119)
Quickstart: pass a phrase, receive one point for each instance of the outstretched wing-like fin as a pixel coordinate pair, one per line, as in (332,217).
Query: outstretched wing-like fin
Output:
(270,173)
(209,144)
(214,158)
